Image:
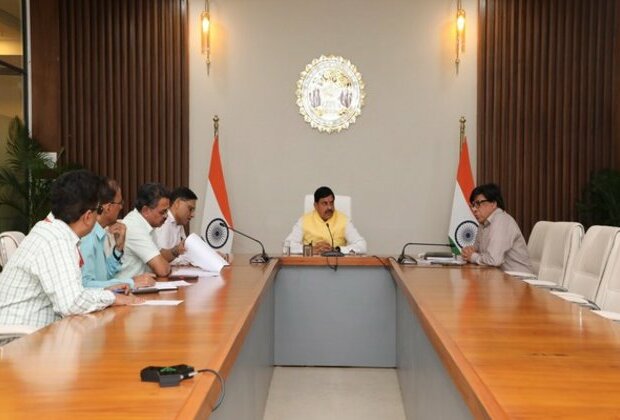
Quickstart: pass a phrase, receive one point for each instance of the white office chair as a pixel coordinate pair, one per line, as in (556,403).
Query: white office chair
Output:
(341,202)
(14,331)
(562,242)
(585,272)
(9,241)
(608,296)
(536,243)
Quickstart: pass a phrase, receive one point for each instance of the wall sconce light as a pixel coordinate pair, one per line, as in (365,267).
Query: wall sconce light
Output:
(205,39)
(460,33)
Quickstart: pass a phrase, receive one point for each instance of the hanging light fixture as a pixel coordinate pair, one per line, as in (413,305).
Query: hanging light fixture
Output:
(460,33)
(205,39)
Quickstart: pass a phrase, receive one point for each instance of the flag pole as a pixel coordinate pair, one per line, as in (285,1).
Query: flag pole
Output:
(216,126)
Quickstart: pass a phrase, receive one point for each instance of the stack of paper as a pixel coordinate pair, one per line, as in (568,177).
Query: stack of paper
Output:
(439,256)
(201,255)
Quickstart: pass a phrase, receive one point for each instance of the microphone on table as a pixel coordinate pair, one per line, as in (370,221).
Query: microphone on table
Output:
(261,258)
(332,252)
(407,259)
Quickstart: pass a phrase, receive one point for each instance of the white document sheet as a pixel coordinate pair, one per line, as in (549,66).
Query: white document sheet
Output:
(159,303)
(164,285)
(520,274)
(571,297)
(193,271)
(536,282)
(614,316)
(201,255)
(177,283)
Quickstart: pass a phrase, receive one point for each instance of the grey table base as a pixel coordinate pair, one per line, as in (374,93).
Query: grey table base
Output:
(335,318)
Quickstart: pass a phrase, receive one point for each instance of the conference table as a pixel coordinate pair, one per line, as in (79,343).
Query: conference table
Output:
(466,342)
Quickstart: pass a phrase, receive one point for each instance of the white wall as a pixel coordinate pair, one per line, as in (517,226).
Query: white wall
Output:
(398,161)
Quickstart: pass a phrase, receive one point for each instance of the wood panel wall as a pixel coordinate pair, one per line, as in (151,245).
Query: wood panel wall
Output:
(123,90)
(45,73)
(547,101)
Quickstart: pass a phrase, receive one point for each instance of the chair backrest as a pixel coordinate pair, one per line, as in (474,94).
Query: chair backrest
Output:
(608,296)
(536,243)
(586,271)
(562,242)
(9,241)
(15,331)
(342,203)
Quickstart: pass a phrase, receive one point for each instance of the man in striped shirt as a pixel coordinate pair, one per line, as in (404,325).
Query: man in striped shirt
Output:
(42,281)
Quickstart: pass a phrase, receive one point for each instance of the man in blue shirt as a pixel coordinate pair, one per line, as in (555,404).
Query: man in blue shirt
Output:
(99,269)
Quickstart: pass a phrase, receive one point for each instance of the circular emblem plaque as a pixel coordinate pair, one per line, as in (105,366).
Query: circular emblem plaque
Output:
(330,93)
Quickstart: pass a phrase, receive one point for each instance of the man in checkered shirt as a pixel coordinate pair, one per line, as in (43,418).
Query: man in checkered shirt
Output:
(42,282)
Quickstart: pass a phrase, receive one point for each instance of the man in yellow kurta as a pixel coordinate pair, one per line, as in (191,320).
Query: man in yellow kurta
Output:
(326,228)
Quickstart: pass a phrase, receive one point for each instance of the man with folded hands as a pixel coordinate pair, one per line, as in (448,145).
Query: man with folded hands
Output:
(100,269)
(499,241)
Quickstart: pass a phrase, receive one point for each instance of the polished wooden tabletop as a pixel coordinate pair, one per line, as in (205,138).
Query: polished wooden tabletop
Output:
(89,366)
(515,351)
(347,260)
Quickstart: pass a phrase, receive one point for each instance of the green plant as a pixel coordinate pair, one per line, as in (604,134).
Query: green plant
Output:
(600,204)
(26,177)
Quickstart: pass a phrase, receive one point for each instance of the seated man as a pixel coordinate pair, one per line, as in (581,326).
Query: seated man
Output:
(99,269)
(141,251)
(499,241)
(319,226)
(43,282)
(172,232)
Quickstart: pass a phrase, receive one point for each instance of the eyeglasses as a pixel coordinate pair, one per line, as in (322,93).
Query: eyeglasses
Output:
(98,209)
(476,204)
(120,203)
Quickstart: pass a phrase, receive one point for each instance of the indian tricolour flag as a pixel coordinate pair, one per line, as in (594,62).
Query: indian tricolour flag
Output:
(463,225)
(216,215)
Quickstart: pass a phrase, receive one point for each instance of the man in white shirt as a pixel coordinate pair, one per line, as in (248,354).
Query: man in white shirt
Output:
(141,251)
(181,211)
(326,228)
(42,282)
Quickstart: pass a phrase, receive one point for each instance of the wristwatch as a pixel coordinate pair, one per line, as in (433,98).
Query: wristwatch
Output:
(118,256)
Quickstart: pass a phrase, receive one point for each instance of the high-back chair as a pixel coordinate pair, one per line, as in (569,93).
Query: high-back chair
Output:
(585,272)
(341,202)
(608,296)
(536,243)
(9,241)
(14,331)
(562,242)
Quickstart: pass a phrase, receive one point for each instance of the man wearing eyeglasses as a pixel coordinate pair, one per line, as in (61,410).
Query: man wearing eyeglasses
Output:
(499,241)
(99,269)
(141,251)
(42,281)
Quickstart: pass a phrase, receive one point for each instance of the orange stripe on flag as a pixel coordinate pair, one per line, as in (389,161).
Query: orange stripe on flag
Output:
(216,177)
(464,175)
